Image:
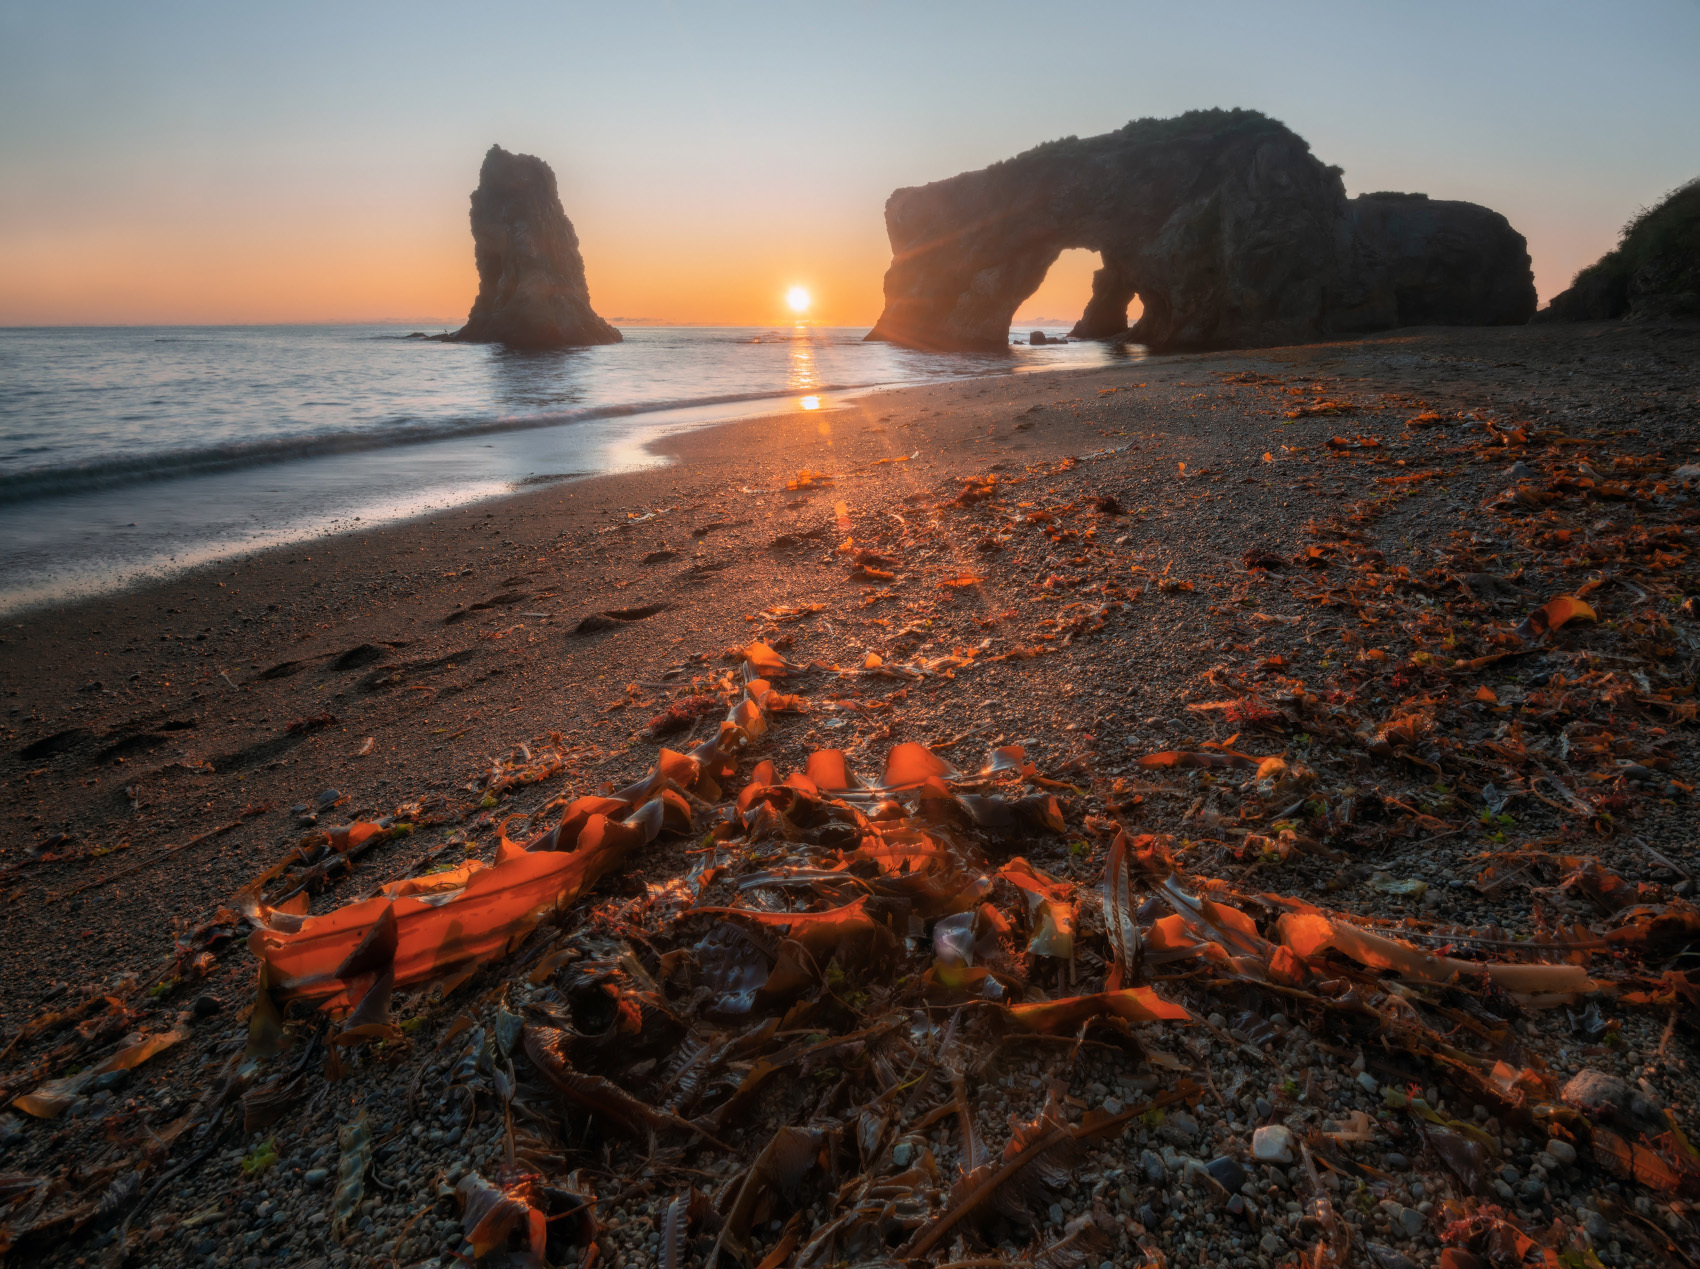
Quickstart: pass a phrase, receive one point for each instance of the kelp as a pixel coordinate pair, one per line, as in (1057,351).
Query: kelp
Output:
(52,1099)
(354,1157)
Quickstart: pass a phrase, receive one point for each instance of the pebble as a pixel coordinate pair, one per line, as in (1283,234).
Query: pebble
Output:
(1152,1165)
(315,1176)
(1112,1106)
(1388,1258)
(1272,1244)
(1265,1108)
(1179,1126)
(1227,1172)
(1563,1151)
(1396,1161)
(902,1152)
(1368,1083)
(1597,1226)
(1056,1214)
(1273,1143)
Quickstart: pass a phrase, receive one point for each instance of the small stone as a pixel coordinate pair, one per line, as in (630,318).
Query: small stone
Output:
(1056,1214)
(205,1005)
(1227,1173)
(1563,1151)
(1151,1164)
(1265,1108)
(1597,1226)
(1369,1083)
(1272,1244)
(1411,1221)
(1179,1127)
(1534,1187)
(1273,1143)
(902,1153)
(1218,1021)
(1148,1217)
(1112,1106)
(315,1176)
(1387,1258)
(1504,1191)
(1396,1162)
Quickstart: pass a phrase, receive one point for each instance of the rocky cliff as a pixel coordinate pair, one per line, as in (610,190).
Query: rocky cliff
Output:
(531,287)
(1227,228)
(1653,272)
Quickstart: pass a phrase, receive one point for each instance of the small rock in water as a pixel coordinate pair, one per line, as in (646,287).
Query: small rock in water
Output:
(1563,1151)
(902,1153)
(1369,1083)
(1273,1143)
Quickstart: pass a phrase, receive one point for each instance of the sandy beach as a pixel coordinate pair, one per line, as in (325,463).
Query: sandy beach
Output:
(1138,556)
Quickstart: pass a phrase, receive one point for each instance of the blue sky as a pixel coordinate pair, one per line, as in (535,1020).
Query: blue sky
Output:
(205,162)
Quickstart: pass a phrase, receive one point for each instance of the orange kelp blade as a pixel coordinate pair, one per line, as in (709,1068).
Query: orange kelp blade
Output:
(1131,1004)
(1183,759)
(1553,614)
(436,936)
(909,765)
(1310,933)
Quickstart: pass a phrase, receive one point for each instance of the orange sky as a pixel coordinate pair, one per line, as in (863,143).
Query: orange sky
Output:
(179,162)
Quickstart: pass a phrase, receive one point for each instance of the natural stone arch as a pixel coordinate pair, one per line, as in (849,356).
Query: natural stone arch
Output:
(1227,228)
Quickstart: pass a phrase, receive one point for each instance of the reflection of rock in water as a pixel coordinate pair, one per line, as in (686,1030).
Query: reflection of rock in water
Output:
(531,287)
(1222,222)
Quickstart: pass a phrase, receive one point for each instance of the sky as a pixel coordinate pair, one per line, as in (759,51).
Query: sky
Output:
(205,163)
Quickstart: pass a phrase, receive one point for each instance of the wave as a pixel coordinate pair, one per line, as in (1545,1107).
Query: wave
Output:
(130,469)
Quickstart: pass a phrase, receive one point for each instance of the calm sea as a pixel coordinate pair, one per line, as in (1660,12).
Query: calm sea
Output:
(128,453)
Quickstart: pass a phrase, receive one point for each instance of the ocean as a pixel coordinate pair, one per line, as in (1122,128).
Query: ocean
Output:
(130,453)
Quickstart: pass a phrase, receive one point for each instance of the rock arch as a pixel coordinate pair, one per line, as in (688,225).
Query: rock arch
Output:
(1227,228)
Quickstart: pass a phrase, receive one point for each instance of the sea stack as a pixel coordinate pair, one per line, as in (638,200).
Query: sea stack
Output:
(1224,224)
(531,287)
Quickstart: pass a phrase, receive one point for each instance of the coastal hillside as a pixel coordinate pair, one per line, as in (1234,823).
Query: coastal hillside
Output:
(1653,272)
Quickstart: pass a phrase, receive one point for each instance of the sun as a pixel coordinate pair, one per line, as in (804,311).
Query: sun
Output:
(798,299)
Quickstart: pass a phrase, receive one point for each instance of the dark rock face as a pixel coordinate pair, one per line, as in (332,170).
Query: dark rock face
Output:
(1224,224)
(531,287)
(1653,273)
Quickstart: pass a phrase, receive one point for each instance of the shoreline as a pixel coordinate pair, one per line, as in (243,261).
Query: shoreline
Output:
(75,533)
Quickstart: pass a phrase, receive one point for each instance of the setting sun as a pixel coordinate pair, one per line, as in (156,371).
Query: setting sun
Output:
(798,298)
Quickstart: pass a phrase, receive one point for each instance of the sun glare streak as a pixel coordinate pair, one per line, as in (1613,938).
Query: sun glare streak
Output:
(809,403)
(798,299)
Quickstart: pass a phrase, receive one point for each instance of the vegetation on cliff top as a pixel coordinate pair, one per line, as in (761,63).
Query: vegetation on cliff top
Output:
(1654,271)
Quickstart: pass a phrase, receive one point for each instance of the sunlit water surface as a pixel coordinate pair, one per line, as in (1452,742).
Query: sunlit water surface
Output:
(134,452)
